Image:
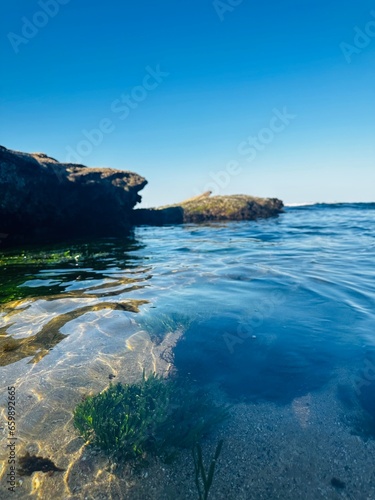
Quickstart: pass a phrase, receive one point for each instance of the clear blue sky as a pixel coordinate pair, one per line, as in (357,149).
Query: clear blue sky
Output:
(228,69)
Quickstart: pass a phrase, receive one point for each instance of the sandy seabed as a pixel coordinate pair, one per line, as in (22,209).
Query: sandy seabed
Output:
(305,450)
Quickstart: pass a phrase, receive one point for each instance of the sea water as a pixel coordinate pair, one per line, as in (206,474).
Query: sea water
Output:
(264,313)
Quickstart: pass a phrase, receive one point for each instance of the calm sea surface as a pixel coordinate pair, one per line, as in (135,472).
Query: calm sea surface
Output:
(266,311)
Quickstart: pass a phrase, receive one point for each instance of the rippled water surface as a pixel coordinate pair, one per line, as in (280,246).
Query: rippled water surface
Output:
(266,311)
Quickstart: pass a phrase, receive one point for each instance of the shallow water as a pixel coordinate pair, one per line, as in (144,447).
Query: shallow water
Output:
(264,312)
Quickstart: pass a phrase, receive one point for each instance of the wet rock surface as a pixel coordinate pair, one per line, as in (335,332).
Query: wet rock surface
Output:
(42,199)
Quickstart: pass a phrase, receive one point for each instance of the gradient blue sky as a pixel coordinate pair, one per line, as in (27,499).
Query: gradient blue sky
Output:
(225,79)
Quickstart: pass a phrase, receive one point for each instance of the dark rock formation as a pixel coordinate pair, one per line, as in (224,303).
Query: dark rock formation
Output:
(204,209)
(31,463)
(42,199)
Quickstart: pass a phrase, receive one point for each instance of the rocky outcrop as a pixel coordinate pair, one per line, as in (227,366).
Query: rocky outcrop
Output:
(41,198)
(204,208)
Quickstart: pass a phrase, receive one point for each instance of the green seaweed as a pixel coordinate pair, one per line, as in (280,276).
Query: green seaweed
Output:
(203,478)
(38,257)
(123,419)
(156,416)
(193,416)
(17,266)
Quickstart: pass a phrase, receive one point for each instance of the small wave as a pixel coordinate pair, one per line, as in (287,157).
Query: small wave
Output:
(304,204)
(333,204)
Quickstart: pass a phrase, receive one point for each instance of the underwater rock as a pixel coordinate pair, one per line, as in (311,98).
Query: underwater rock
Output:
(31,463)
(40,344)
(204,208)
(42,199)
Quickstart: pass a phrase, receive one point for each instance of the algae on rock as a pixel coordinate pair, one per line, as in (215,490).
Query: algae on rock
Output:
(210,209)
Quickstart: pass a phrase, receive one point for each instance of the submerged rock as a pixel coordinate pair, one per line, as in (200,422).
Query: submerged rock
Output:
(41,198)
(204,208)
(31,463)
